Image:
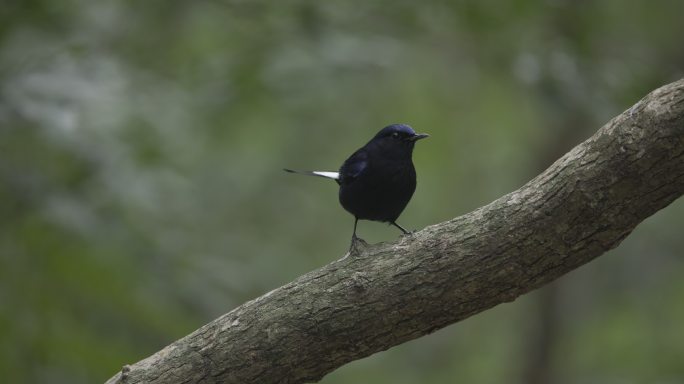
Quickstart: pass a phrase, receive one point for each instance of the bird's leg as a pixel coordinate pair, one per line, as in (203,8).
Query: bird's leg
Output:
(401,228)
(355,239)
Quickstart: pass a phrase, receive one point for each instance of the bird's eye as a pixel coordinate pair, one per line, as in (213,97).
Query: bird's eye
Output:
(395,134)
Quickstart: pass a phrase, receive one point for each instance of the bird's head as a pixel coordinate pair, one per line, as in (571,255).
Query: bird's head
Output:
(397,139)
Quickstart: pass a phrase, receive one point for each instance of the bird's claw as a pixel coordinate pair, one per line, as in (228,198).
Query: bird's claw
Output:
(357,244)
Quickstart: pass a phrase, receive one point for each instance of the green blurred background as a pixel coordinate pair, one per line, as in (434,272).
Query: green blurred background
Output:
(141,191)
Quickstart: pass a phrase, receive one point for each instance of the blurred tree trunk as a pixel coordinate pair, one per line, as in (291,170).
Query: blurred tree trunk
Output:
(568,118)
(586,203)
(542,337)
(567,125)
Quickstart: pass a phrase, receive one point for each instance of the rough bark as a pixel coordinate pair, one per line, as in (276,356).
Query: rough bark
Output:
(586,203)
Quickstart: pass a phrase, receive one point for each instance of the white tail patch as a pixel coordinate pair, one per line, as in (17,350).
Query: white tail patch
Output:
(329,175)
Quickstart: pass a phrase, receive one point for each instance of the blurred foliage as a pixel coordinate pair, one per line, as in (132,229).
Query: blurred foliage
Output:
(141,193)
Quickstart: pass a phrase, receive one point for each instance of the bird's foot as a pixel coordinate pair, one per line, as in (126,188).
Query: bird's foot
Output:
(357,245)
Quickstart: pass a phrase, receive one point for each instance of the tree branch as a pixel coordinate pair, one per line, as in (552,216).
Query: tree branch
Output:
(586,203)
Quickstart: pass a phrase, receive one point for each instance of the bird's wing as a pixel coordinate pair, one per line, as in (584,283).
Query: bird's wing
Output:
(353,166)
(327,175)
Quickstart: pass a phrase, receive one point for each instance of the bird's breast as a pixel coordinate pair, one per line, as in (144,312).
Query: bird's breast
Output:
(381,192)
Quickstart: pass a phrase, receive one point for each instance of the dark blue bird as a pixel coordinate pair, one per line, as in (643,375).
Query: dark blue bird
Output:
(378,180)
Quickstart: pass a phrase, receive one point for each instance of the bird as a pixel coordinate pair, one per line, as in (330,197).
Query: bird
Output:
(378,180)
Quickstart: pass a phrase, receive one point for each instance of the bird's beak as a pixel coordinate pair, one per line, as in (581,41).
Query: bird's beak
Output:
(418,136)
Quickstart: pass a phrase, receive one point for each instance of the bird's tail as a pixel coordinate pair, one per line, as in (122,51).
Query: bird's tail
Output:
(327,175)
